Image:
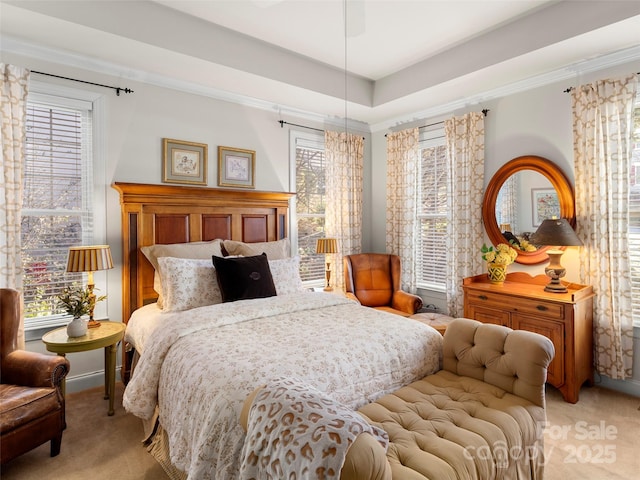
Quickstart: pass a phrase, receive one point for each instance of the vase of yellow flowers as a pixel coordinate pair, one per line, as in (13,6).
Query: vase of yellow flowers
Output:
(78,301)
(498,259)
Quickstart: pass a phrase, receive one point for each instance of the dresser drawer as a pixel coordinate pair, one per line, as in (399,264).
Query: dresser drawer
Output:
(530,306)
(485,314)
(538,308)
(491,300)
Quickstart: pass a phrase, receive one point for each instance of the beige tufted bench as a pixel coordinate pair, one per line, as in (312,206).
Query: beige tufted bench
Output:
(480,417)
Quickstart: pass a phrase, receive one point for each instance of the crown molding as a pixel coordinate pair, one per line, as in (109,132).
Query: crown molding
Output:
(567,73)
(24,48)
(65,58)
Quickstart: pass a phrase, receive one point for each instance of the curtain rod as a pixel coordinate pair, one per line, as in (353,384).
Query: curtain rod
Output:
(484,111)
(283,123)
(571,88)
(117,89)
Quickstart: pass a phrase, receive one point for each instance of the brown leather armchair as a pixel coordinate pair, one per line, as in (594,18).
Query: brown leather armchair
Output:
(373,279)
(31,399)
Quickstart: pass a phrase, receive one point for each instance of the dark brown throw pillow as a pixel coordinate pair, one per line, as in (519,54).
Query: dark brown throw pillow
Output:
(241,278)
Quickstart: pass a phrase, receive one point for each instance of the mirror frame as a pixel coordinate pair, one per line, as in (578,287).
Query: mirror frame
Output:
(558,180)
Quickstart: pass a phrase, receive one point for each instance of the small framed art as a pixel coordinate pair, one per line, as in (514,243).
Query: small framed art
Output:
(236,167)
(545,204)
(184,162)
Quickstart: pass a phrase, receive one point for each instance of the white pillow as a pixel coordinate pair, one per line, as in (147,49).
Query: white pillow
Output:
(157,286)
(201,250)
(275,250)
(286,275)
(187,283)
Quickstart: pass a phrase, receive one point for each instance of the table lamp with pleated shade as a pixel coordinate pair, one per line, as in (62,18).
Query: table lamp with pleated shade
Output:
(327,246)
(89,259)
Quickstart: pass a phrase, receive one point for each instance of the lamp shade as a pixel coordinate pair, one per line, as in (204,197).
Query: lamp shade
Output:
(327,245)
(556,232)
(89,258)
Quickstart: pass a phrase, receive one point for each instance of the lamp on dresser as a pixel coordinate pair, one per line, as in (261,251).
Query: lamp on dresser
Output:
(89,259)
(328,246)
(555,232)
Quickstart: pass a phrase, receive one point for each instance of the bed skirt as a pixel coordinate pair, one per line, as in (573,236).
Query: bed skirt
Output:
(158,446)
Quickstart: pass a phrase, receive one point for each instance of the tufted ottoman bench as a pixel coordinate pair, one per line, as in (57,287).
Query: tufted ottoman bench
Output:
(480,417)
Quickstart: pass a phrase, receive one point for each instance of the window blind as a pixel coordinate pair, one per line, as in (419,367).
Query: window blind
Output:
(310,206)
(432,214)
(57,199)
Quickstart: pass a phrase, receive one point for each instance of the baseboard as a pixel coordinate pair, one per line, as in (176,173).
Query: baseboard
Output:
(85,381)
(630,387)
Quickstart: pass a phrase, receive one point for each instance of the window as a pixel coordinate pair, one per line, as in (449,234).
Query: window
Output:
(634,217)
(309,175)
(432,210)
(58,200)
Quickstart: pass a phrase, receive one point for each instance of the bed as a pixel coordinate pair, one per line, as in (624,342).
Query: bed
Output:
(199,356)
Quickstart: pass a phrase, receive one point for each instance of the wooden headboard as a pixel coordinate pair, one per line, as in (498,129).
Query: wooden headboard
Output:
(161,214)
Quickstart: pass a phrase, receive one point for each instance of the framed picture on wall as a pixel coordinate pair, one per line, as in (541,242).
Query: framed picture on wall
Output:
(236,167)
(545,204)
(184,162)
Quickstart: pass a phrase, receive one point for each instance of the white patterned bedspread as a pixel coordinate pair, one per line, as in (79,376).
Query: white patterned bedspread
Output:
(201,365)
(142,324)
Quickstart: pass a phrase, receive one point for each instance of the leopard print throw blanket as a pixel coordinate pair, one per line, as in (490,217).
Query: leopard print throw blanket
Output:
(296,432)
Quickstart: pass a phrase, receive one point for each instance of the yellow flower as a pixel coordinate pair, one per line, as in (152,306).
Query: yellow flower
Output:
(502,254)
(526,246)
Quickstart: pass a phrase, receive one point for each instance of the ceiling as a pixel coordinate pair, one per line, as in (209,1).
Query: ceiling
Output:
(402,58)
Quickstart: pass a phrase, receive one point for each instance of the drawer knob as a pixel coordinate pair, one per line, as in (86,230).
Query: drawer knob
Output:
(542,308)
(482,297)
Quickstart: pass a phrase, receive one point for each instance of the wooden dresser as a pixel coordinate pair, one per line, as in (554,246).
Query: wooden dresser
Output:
(565,318)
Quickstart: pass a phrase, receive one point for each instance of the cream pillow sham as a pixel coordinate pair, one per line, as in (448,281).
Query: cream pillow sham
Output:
(198,250)
(276,250)
(187,283)
(201,250)
(286,275)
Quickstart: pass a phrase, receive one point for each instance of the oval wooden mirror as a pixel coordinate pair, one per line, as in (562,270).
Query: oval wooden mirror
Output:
(529,189)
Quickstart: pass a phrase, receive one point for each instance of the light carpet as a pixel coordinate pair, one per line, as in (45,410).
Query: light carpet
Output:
(597,438)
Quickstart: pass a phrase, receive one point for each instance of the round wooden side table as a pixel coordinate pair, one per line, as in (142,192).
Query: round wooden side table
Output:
(106,336)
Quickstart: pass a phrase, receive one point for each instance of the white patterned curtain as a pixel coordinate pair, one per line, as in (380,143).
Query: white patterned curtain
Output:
(465,148)
(403,157)
(344,153)
(602,131)
(14,86)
